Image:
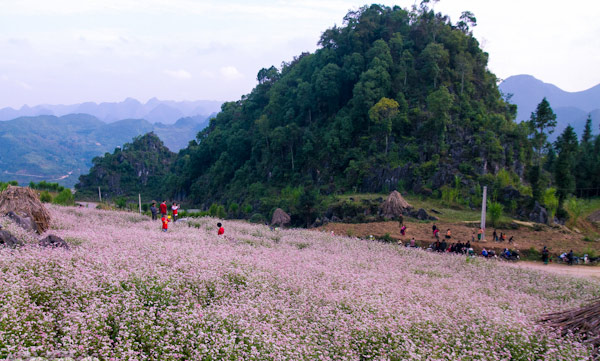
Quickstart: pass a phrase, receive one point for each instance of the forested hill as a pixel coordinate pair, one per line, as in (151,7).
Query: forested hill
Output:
(393,98)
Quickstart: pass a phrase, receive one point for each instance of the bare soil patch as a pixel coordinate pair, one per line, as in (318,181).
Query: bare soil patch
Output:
(558,239)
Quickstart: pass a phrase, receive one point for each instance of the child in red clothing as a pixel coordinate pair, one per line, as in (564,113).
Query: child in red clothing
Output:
(221,229)
(165,222)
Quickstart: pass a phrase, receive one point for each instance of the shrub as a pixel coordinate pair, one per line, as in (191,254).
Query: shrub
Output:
(551,203)
(494,211)
(45,197)
(257,218)
(64,198)
(213,210)
(121,202)
(234,209)
(575,208)
(221,212)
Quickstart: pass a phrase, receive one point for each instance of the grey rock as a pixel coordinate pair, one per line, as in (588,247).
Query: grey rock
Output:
(8,240)
(25,222)
(422,215)
(538,214)
(54,242)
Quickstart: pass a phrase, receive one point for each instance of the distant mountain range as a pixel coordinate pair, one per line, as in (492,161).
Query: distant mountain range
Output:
(570,107)
(154,110)
(59,149)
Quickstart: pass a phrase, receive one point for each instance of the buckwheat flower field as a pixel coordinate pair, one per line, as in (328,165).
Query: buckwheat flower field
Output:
(127,291)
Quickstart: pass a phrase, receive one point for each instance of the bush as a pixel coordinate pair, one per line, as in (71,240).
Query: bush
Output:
(494,212)
(45,197)
(64,198)
(257,218)
(121,202)
(234,209)
(551,203)
(221,212)
(213,210)
(575,208)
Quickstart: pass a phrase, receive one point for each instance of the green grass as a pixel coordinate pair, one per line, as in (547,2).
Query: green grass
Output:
(449,214)
(590,206)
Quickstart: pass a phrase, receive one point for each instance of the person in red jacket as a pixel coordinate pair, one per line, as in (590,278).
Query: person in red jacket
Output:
(163,209)
(165,222)
(221,229)
(174,209)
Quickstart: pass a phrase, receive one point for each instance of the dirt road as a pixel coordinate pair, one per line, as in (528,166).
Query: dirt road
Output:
(576,271)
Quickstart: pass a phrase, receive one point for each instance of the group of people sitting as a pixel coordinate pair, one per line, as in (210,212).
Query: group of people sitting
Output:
(442,246)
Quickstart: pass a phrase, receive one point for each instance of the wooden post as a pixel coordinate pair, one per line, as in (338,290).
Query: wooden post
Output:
(99,194)
(140,202)
(483,210)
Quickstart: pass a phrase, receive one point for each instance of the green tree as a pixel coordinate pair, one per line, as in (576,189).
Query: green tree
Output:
(64,198)
(564,172)
(541,121)
(575,208)
(45,197)
(435,59)
(494,211)
(382,114)
(551,203)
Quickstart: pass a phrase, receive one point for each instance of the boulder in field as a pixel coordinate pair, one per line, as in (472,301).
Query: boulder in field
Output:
(54,242)
(24,222)
(8,240)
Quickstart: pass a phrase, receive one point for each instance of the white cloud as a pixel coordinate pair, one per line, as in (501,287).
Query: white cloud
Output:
(178,74)
(230,72)
(24,85)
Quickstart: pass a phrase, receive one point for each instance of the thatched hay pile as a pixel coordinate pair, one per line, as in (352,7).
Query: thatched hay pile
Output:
(584,321)
(280,217)
(25,202)
(394,206)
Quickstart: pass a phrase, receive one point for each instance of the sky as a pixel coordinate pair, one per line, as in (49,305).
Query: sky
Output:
(72,51)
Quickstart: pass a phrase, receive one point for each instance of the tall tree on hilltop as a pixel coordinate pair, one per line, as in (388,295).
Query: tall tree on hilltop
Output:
(564,172)
(541,121)
(584,170)
(382,114)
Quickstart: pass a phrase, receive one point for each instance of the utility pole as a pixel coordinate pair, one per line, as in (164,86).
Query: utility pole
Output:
(483,210)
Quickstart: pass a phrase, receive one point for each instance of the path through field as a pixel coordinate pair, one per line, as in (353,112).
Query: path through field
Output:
(576,271)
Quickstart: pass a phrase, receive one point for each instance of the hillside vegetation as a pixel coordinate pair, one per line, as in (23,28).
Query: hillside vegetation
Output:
(59,149)
(393,99)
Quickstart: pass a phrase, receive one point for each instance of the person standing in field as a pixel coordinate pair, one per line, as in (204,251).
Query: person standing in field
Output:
(174,209)
(221,230)
(165,222)
(545,255)
(448,234)
(154,211)
(479,234)
(163,209)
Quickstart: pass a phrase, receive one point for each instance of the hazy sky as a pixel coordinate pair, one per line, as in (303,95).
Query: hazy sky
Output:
(71,51)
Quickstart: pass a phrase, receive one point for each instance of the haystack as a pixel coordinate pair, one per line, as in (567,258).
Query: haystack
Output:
(25,202)
(394,206)
(584,322)
(280,217)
